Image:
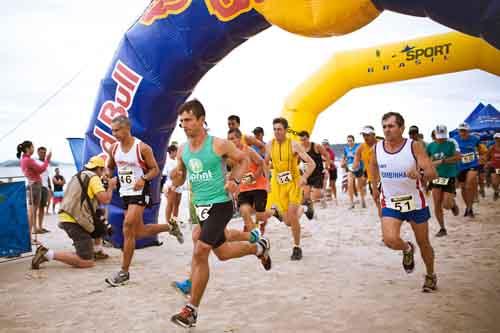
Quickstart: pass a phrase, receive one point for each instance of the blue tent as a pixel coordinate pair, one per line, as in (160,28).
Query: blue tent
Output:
(484,121)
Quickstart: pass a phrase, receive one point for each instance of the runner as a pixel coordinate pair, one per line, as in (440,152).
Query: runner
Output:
(312,190)
(258,132)
(363,156)
(445,155)
(332,172)
(202,161)
(353,176)
(172,193)
(468,167)
(482,151)
(233,121)
(283,155)
(395,165)
(136,168)
(494,160)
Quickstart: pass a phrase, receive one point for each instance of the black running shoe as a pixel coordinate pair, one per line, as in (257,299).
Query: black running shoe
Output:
(430,283)
(408,259)
(441,233)
(495,196)
(471,213)
(265,259)
(186,318)
(296,253)
(39,257)
(310,210)
(276,213)
(466,213)
(455,210)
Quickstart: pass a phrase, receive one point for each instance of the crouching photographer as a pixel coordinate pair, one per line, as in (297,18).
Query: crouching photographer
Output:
(81,217)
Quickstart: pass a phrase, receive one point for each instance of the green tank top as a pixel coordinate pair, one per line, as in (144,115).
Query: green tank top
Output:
(206,171)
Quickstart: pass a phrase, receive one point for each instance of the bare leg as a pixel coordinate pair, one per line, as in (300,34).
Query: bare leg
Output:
(350,188)
(73,259)
(292,219)
(246,214)
(437,195)
(427,252)
(361,186)
(200,271)
(391,233)
(177,203)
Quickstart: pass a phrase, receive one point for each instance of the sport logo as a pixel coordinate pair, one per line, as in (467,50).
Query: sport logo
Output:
(196,165)
(160,9)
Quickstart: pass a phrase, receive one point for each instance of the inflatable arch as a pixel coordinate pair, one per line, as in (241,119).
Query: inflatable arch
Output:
(433,55)
(174,43)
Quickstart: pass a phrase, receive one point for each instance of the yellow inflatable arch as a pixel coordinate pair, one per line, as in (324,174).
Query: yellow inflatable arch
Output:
(433,55)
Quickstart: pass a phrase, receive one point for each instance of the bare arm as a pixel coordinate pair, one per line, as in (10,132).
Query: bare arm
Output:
(374,170)
(325,155)
(149,159)
(251,140)
(227,149)
(424,162)
(178,174)
(310,164)
(357,158)
(110,161)
(255,158)
(104,197)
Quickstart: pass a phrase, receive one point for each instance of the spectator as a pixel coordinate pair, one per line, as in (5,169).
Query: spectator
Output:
(46,189)
(59,182)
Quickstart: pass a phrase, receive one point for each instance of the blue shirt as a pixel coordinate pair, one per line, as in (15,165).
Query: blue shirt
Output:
(349,154)
(468,150)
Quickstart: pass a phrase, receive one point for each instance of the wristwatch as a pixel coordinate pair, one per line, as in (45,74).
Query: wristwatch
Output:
(236,181)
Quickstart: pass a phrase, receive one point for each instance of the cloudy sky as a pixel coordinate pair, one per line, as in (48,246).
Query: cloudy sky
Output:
(47,43)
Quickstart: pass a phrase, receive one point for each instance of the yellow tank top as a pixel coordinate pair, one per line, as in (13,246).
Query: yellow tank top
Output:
(366,156)
(283,158)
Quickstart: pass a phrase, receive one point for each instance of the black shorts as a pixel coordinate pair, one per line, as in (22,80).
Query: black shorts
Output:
(462,176)
(333,175)
(358,173)
(370,187)
(315,180)
(448,188)
(213,221)
(255,198)
(143,200)
(82,241)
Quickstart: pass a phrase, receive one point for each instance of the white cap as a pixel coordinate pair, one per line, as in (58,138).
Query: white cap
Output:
(368,130)
(497,135)
(464,126)
(441,132)
(325,142)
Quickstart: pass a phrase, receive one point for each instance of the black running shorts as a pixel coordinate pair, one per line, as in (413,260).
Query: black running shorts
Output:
(462,176)
(256,198)
(213,221)
(333,175)
(315,180)
(448,188)
(141,200)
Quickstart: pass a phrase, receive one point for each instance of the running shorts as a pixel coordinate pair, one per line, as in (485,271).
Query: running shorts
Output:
(315,181)
(448,188)
(255,198)
(418,216)
(283,195)
(213,221)
(462,176)
(143,200)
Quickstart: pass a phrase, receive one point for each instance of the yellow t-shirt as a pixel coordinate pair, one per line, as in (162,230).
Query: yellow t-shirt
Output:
(366,156)
(95,186)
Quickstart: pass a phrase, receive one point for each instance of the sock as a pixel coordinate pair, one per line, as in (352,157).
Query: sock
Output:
(260,249)
(49,255)
(254,236)
(194,308)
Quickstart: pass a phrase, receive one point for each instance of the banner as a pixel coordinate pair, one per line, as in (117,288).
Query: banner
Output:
(14,227)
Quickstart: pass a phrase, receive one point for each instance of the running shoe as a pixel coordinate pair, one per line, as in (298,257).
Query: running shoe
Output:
(466,213)
(183,287)
(430,283)
(296,253)
(176,231)
(118,279)
(186,318)
(495,196)
(408,259)
(310,210)
(265,259)
(471,213)
(482,192)
(363,204)
(39,257)
(100,255)
(276,213)
(442,232)
(455,210)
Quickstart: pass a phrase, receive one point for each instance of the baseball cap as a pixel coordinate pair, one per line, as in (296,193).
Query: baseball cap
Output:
(441,132)
(497,135)
(325,142)
(95,162)
(413,129)
(368,130)
(464,126)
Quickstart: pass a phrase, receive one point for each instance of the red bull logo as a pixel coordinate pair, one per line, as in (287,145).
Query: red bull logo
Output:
(224,10)
(127,83)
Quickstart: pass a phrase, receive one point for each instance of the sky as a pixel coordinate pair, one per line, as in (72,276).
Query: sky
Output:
(45,44)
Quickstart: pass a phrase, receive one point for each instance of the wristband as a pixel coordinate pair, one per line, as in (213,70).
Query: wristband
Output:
(237,182)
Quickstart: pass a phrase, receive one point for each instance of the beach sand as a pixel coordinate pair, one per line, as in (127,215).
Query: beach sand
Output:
(346,282)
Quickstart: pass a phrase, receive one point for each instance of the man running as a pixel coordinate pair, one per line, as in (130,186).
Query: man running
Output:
(468,167)
(136,168)
(258,132)
(395,165)
(172,193)
(445,155)
(332,171)
(312,190)
(353,176)
(364,155)
(494,160)
(253,188)
(286,183)
(202,161)
(233,121)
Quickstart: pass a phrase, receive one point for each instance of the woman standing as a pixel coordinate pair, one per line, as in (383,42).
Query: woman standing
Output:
(32,170)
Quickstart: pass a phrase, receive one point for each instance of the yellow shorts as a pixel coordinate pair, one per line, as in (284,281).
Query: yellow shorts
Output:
(283,195)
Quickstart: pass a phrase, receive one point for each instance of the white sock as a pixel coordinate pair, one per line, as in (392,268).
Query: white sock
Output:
(49,255)
(260,249)
(195,308)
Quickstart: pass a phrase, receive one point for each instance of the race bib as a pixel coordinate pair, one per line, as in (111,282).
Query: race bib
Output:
(126,178)
(248,179)
(468,158)
(403,203)
(441,181)
(203,211)
(284,177)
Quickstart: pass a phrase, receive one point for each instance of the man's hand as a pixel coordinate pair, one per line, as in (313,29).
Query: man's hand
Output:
(139,184)
(413,173)
(231,186)
(112,183)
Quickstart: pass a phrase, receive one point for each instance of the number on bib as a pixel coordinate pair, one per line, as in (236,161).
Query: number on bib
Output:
(403,203)
(441,181)
(203,211)
(468,158)
(248,179)
(284,177)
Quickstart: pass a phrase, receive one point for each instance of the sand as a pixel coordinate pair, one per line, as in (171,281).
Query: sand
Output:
(346,282)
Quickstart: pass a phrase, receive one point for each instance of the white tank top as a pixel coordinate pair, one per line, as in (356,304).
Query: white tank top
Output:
(398,190)
(130,166)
